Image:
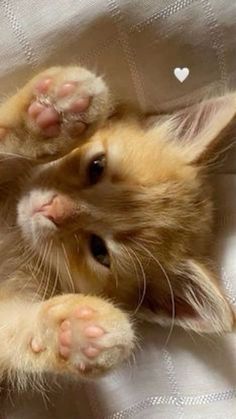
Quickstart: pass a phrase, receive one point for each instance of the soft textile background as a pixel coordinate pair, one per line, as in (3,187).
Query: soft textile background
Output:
(137,44)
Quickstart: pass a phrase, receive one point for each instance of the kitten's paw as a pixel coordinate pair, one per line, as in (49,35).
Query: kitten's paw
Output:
(89,343)
(67,101)
(92,335)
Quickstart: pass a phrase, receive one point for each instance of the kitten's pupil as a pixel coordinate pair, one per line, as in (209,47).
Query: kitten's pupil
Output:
(99,250)
(96,169)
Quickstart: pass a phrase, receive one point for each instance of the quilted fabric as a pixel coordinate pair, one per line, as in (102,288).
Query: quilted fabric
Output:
(137,44)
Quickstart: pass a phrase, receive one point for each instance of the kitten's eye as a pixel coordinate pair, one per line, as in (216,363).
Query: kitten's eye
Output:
(96,168)
(99,250)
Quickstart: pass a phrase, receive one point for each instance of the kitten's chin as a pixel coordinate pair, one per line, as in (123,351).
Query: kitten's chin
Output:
(35,226)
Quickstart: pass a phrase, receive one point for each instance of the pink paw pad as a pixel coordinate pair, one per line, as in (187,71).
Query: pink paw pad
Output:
(77,106)
(46,117)
(35,109)
(44,111)
(91,351)
(80,105)
(87,333)
(66,89)
(65,339)
(84,313)
(43,85)
(36,345)
(93,331)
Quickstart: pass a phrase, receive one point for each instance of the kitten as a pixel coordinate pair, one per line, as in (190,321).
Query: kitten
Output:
(92,208)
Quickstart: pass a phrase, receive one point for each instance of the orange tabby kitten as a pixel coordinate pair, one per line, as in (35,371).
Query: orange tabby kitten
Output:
(93,208)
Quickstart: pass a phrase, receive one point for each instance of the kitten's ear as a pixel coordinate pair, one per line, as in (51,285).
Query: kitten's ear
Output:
(200,128)
(192,299)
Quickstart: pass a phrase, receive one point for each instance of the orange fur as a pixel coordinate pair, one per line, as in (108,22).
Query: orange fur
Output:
(152,207)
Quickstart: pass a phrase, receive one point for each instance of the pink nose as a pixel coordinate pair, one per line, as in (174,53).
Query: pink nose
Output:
(58,210)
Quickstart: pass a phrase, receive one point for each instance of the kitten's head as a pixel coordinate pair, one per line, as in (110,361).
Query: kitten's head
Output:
(129,215)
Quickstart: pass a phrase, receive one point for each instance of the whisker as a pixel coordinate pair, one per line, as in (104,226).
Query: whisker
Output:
(41,260)
(144,282)
(66,260)
(140,297)
(56,274)
(48,271)
(77,239)
(169,285)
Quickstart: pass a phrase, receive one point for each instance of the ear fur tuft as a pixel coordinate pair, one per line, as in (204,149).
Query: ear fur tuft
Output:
(198,129)
(199,304)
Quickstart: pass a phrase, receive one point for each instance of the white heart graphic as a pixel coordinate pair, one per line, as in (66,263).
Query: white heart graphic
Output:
(181,73)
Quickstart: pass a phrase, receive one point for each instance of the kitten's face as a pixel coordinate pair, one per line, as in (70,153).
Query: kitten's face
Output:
(124,213)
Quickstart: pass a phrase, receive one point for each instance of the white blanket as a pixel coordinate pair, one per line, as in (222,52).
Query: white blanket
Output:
(137,44)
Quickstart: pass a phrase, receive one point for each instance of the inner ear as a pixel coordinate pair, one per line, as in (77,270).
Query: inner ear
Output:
(192,299)
(198,129)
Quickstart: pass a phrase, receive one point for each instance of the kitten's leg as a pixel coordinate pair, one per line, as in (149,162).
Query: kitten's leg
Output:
(57,110)
(81,335)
